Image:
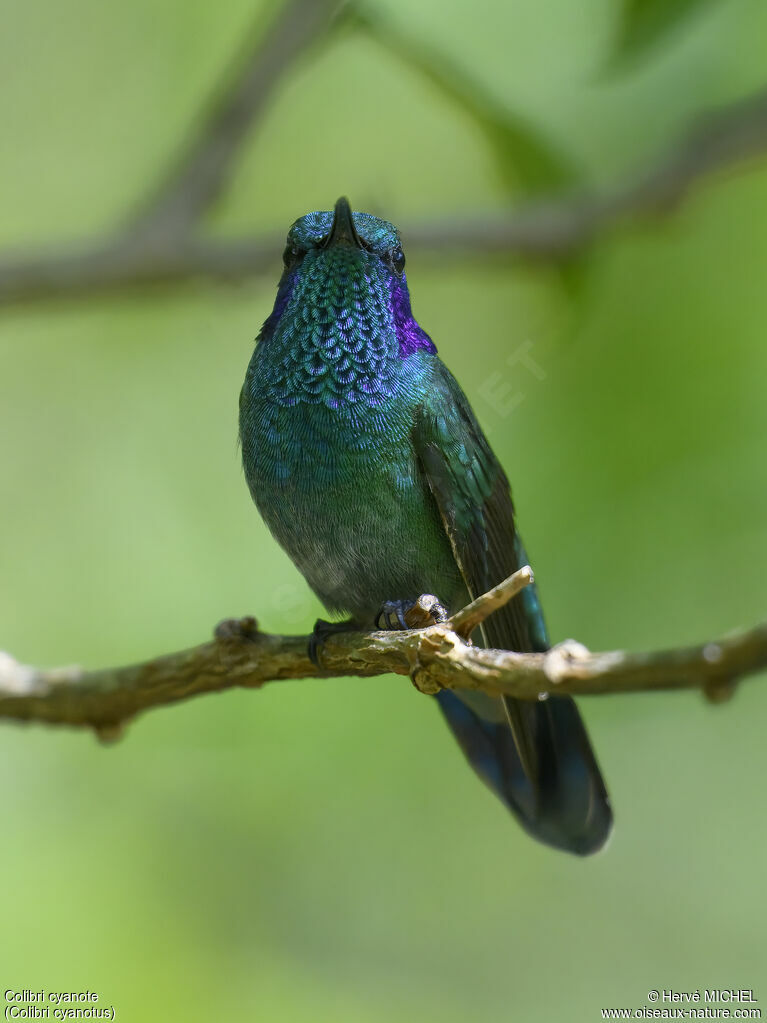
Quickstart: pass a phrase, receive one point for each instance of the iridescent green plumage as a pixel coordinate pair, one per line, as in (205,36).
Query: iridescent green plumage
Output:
(367,463)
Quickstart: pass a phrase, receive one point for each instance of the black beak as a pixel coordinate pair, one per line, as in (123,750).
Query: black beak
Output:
(343,231)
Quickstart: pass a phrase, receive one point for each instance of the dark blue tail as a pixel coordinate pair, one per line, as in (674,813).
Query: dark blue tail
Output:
(557,794)
(564,803)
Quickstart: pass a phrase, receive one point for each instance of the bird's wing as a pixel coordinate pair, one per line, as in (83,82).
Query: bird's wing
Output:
(558,793)
(474,501)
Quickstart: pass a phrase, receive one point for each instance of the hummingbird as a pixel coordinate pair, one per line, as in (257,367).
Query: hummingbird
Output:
(368,465)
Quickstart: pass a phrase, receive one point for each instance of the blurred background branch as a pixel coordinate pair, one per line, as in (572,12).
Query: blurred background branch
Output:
(162,244)
(436,657)
(202,170)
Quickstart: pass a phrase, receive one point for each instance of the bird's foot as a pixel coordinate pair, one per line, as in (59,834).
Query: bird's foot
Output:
(411,614)
(323,630)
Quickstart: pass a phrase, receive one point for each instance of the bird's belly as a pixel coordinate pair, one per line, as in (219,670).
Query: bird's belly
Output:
(348,502)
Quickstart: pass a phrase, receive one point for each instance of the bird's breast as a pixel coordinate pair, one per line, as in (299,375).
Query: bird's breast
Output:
(343,493)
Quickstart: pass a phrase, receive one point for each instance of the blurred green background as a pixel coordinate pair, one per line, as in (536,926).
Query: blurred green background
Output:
(319,850)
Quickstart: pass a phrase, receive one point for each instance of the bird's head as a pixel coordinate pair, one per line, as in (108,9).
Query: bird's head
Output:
(340,245)
(344,283)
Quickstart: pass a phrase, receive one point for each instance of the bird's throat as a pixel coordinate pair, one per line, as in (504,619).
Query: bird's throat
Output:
(334,341)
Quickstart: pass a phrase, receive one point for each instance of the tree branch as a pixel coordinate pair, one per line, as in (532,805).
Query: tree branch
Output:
(204,167)
(551,229)
(435,657)
(158,246)
(545,230)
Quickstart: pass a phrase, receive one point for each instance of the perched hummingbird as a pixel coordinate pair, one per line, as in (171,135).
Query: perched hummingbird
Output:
(368,465)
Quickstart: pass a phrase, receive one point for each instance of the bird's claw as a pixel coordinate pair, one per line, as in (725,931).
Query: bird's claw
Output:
(322,631)
(396,615)
(391,617)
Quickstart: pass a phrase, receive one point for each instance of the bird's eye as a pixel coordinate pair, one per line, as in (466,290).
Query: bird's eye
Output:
(291,255)
(397,258)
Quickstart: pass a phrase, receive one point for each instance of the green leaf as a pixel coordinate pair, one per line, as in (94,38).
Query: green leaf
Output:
(645,24)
